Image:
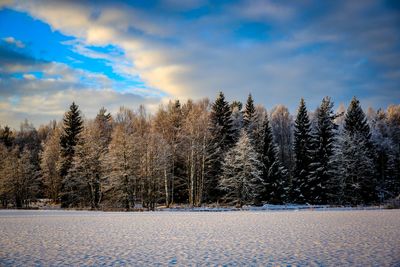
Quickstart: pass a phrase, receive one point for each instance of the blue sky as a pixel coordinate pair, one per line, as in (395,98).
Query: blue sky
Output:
(147,52)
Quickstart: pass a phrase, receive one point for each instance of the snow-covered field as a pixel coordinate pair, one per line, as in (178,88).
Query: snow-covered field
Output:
(316,238)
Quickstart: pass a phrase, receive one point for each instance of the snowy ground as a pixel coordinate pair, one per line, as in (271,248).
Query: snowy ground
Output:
(316,238)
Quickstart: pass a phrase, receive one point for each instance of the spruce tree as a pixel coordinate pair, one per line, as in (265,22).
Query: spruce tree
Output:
(323,149)
(249,114)
(274,189)
(301,190)
(359,184)
(221,140)
(355,121)
(73,126)
(240,178)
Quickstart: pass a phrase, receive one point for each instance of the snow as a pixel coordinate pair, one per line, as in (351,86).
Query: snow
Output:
(333,238)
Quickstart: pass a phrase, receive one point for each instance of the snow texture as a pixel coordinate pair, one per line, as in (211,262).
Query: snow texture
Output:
(257,238)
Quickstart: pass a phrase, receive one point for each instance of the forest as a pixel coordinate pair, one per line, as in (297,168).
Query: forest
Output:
(205,153)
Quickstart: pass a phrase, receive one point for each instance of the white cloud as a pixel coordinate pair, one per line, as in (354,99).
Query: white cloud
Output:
(13,41)
(29,76)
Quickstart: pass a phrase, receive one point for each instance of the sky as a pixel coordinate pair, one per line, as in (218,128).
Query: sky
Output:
(116,53)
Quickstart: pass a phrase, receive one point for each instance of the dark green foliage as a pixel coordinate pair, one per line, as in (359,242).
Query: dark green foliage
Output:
(359,177)
(249,115)
(73,126)
(323,148)
(222,139)
(274,189)
(301,190)
(355,121)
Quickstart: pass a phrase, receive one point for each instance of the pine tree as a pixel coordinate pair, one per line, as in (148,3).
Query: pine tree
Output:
(355,121)
(249,115)
(72,127)
(301,190)
(323,149)
(240,178)
(359,178)
(222,139)
(274,176)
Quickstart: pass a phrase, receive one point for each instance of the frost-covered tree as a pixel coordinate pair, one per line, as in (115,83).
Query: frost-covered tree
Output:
(321,171)
(249,115)
(301,187)
(195,140)
(72,127)
(393,121)
(274,176)
(282,130)
(123,179)
(385,155)
(357,166)
(241,175)
(87,172)
(221,140)
(18,177)
(50,164)
(168,123)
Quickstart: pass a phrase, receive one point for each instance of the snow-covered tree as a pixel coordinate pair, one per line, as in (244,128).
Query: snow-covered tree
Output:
(321,171)
(196,138)
(168,123)
(249,115)
(274,176)
(87,172)
(50,164)
(72,127)
(385,154)
(19,178)
(241,175)
(222,139)
(357,166)
(122,174)
(301,187)
(282,130)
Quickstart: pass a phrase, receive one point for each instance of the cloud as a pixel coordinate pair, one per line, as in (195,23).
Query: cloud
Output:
(305,49)
(13,41)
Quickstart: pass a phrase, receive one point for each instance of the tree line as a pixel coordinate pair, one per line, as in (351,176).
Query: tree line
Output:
(205,153)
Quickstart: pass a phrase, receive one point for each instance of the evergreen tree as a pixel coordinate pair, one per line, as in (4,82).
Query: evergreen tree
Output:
(359,178)
(72,127)
(274,189)
(301,190)
(240,178)
(385,155)
(355,121)
(249,115)
(323,149)
(222,139)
